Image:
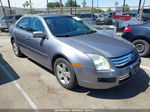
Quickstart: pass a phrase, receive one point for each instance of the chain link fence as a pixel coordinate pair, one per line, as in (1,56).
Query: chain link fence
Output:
(109,19)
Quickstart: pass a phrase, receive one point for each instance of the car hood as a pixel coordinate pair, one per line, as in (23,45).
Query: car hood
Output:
(100,43)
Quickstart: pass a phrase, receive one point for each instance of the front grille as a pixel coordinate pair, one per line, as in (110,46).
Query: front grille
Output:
(125,60)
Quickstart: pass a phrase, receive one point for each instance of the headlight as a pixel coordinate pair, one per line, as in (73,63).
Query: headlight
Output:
(100,62)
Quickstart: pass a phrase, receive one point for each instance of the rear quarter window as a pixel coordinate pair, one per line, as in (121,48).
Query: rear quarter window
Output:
(18,17)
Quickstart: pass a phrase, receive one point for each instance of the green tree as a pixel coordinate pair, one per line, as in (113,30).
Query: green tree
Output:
(95,10)
(27,4)
(71,3)
(109,10)
(127,8)
(84,3)
(116,3)
(53,4)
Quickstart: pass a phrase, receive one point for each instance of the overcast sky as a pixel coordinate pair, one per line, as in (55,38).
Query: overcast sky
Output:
(102,3)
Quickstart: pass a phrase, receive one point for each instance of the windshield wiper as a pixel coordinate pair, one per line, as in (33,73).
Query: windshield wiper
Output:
(91,32)
(63,35)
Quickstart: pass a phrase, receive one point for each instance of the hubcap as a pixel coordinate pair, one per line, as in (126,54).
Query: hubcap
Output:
(15,48)
(63,73)
(140,48)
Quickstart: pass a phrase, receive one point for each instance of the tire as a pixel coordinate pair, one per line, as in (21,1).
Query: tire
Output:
(66,80)
(16,49)
(142,46)
(2,30)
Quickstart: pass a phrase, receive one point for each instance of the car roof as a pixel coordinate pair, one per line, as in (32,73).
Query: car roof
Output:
(47,15)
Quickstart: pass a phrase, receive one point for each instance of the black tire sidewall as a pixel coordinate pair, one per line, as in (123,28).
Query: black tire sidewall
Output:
(146,52)
(19,52)
(73,80)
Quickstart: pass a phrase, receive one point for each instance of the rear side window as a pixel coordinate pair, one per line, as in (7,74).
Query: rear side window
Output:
(36,25)
(17,17)
(24,24)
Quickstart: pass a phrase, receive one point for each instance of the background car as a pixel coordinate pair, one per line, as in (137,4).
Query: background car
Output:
(108,18)
(7,21)
(100,19)
(139,35)
(89,18)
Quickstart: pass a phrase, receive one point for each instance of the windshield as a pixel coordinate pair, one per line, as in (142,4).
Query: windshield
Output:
(68,26)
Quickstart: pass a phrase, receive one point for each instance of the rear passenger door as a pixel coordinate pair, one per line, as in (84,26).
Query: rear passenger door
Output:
(22,34)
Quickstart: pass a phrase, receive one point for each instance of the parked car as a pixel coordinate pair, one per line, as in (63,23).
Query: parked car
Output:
(77,53)
(89,18)
(146,15)
(100,19)
(133,14)
(121,24)
(7,21)
(108,18)
(139,36)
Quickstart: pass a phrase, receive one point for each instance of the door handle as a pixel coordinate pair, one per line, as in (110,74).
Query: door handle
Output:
(28,37)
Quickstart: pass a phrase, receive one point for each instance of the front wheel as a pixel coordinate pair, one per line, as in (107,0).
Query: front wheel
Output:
(65,73)
(142,46)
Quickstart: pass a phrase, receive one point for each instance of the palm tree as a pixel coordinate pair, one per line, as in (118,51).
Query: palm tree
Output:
(116,4)
(84,3)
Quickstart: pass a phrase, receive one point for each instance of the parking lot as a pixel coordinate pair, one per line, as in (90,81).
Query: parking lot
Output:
(25,84)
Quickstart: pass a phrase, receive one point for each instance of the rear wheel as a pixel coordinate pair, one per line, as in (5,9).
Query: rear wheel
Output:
(65,73)
(16,50)
(142,46)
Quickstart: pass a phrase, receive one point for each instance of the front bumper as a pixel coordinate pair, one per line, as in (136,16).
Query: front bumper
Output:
(90,78)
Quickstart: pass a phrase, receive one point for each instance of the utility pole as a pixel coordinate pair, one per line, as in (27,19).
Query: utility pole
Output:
(30,4)
(139,6)
(97,4)
(4,11)
(124,3)
(3,8)
(61,11)
(75,6)
(47,7)
(141,14)
(9,7)
(71,7)
(92,6)
(92,11)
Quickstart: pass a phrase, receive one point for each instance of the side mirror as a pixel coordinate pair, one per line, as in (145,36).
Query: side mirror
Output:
(39,34)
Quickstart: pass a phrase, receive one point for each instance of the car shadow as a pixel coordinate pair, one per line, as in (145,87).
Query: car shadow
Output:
(7,74)
(132,88)
(46,69)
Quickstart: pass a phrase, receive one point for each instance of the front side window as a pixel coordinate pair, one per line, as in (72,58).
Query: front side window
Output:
(67,26)
(24,24)
(36,25)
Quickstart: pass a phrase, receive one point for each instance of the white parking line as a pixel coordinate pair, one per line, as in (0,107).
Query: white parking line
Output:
(21,90)
(145,67)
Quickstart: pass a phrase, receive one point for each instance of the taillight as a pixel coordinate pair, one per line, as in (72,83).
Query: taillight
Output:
(127,29)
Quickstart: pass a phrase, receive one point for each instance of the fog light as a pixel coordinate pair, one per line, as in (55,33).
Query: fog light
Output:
(107,80)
